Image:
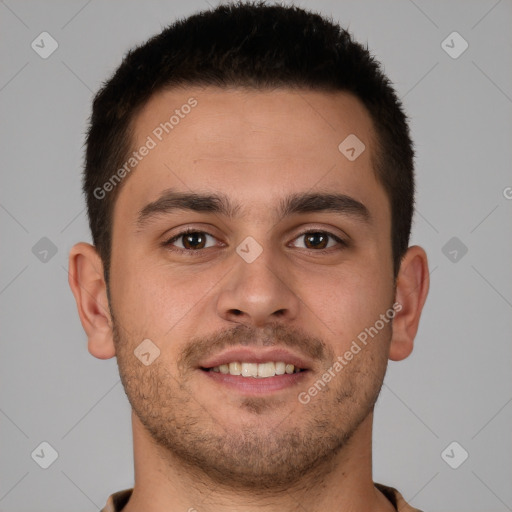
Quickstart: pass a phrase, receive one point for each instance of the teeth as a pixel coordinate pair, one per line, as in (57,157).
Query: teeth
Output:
(261,370)
(249,369)
(280,368)
(235,368)
(266,370)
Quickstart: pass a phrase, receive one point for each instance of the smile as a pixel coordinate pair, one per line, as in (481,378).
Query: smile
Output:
(255,370)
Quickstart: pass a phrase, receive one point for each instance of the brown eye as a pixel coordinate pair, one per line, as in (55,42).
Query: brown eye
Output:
(190,241)
(318,240)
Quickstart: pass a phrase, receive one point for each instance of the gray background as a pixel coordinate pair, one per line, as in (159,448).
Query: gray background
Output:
(456,386)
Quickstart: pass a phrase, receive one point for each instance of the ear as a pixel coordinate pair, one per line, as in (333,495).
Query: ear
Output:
(411,292)
(88,285)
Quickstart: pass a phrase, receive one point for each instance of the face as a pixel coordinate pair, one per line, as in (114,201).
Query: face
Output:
(287,260)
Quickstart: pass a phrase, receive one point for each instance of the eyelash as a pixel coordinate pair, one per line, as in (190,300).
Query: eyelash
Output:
(191,252)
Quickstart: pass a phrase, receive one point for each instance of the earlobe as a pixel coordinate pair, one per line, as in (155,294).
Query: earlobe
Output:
(411,293)
(88,285)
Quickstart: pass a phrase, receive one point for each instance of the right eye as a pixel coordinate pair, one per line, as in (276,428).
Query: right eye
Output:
(189,240)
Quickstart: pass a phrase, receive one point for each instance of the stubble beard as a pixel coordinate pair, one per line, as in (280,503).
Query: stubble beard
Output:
(256,455)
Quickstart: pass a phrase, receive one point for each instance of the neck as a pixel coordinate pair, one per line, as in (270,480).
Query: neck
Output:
(163,483)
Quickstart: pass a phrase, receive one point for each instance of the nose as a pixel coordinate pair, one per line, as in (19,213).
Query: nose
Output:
(258,293)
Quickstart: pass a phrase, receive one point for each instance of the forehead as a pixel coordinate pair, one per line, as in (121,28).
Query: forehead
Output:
(241,119)
(255,144)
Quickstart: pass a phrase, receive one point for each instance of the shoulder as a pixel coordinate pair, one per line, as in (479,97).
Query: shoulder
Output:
(117,501)
(396,499)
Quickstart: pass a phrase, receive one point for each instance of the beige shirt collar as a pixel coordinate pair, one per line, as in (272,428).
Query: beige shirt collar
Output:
(118,500)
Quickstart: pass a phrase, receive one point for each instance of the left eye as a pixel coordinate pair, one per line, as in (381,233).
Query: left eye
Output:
(318,240)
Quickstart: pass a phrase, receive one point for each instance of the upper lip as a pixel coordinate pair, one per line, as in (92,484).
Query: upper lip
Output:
(247,355)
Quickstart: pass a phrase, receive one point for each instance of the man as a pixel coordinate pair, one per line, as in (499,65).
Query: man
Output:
(249,183)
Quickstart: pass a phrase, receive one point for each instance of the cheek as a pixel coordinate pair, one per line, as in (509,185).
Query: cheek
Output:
(157,301)
(347,302)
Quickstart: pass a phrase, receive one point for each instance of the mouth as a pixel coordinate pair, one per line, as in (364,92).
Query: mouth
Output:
(253,372)
(263,370)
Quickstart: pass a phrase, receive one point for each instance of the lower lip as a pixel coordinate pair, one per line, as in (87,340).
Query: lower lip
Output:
(254,385)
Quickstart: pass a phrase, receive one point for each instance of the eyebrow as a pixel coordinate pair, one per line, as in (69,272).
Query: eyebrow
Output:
(171,201)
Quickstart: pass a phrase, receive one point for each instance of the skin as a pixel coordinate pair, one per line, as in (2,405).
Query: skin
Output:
(198,444)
